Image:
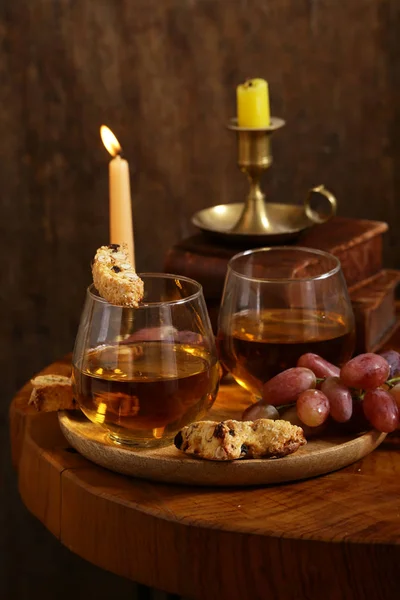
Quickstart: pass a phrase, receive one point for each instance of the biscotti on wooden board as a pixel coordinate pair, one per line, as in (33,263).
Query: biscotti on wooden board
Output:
(51,393)
(230,440)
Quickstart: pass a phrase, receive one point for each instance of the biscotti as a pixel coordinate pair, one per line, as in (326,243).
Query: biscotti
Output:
(51,393)
(231,440)
(114,277)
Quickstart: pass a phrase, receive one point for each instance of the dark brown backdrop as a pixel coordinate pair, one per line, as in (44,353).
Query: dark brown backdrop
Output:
(162,75)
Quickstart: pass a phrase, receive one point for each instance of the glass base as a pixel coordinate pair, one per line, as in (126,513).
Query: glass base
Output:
(131,442)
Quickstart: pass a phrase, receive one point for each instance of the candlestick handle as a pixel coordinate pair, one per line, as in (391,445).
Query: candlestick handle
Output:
(312,214)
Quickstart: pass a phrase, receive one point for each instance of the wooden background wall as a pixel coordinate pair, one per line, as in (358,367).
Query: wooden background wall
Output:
(162,75)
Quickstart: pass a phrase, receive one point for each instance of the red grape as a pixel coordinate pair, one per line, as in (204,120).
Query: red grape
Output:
(286,386)
(340,399)
(290,414)
(395,393)
(393,359)
(318,365)
(260,410)
(365,371)
(381,410)
(312,407)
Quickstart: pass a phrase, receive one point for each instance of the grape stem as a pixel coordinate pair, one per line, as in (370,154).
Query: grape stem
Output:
(392,382)
(320,379)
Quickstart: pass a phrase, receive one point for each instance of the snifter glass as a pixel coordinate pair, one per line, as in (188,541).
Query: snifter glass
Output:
(143,373)
(279,303)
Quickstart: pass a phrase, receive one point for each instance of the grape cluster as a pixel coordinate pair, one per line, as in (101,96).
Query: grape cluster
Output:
(316,392)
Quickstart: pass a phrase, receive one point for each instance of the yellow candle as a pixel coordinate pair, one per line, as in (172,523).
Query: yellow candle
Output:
(121,227)
(253,104)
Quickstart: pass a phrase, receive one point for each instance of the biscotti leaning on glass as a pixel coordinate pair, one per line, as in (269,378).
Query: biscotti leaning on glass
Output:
(115,278)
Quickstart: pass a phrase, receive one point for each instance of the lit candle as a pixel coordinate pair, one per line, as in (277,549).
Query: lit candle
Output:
(253,104)
(121,228)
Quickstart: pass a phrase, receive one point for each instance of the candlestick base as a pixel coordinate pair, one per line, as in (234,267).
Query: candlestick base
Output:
(258,223)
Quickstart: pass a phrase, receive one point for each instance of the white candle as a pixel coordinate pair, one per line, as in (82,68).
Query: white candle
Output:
(121,227)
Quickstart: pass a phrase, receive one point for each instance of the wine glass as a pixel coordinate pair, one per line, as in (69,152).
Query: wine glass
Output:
(143,373)
(279,303)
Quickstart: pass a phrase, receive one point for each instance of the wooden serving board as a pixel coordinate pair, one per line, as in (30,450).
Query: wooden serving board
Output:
(168,464)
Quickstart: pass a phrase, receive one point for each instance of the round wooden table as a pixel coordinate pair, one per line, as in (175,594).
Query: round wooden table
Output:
(332,537)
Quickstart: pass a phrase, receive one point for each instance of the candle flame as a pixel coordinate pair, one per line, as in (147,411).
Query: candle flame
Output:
(109,140)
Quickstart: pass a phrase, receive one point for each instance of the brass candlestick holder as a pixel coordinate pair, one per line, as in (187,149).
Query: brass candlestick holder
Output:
(256,221)
(254,157)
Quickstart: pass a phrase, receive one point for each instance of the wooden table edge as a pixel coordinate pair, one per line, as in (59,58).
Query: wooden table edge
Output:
(69,507)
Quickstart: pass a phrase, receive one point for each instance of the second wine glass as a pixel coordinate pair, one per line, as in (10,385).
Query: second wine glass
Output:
(279,303)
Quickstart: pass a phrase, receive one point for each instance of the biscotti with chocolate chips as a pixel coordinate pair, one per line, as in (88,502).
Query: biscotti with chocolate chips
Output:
(231,440)
(115,278)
